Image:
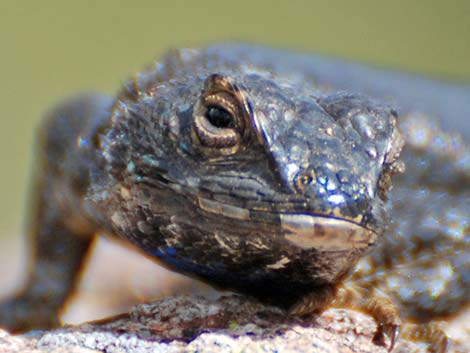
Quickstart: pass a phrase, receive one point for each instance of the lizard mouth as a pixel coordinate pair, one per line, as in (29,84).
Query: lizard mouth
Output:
(303,230)
(325,233)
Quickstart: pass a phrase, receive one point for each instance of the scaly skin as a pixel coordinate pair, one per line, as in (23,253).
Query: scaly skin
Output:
(252,170)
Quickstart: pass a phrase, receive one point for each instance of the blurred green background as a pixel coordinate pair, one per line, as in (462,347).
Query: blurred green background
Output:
(51,49)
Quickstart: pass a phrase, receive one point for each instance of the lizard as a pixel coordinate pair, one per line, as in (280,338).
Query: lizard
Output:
(269,173)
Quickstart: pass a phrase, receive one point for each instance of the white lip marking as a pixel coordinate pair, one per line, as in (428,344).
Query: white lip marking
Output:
(325,234)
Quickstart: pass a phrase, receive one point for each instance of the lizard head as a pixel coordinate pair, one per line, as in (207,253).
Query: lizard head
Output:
(226,155)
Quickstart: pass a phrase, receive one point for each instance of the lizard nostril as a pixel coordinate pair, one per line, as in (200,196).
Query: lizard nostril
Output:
(303,179)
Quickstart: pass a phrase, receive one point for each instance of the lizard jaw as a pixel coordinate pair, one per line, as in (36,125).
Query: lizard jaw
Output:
(325,233)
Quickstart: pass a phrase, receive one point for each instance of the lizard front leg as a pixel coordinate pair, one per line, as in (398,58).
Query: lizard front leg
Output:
(57,257)
(361,296)
(60,232)
(355,296)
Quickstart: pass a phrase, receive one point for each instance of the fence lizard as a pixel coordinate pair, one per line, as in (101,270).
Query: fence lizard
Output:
(269,173)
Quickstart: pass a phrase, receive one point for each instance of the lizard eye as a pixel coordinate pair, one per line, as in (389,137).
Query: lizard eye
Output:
(218,116)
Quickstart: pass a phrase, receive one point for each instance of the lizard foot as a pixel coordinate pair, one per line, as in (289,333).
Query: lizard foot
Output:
(379,306)
(375,303)
(21,314)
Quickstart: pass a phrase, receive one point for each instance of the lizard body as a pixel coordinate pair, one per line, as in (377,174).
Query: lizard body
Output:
(267,173)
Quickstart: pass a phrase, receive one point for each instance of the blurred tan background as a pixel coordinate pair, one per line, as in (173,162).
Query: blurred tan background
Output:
(52,49)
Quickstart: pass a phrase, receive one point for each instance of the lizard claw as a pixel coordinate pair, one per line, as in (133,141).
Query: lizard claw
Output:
(392,330)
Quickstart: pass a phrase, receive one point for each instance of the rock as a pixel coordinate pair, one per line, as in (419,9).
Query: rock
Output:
(195,324)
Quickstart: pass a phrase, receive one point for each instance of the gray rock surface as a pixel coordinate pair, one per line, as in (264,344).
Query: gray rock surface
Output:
(194,324)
